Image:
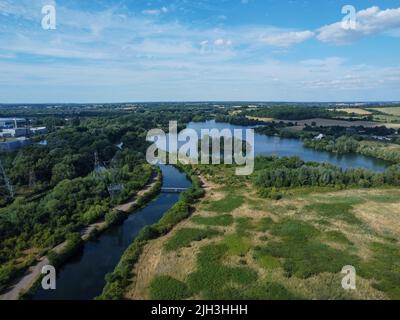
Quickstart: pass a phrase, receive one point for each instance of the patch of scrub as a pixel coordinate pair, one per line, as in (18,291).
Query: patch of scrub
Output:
(184,237)
(227,204)
(264,224)
(168,288)
(221,220)
(303,253)
(337,237)
(238,245)
(213,279)
(264,260)
(384,268)
(337,210)
(262,291)
(244,225)
(385,198)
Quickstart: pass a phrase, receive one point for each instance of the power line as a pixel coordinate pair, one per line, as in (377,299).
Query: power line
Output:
(7,182)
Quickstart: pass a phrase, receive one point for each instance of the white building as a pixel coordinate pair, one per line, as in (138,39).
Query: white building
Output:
(15,132)
(12,123)
(39,130)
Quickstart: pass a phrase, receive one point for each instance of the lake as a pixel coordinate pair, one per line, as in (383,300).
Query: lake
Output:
(268,146)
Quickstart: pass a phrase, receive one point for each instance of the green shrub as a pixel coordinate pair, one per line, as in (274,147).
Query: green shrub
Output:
(304,255)
(223,220)
(264,224)
(168,288)
(95,213)
(73,245)
(179,212)
(384,267)
(264,260)
(227,204)
(184,237)
(337,237)
(243,225)
(212,277)
(115,217)
(238,245)
(118,280)
(269,291)
(336,210)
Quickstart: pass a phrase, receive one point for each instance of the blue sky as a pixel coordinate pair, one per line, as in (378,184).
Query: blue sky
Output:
(198,50)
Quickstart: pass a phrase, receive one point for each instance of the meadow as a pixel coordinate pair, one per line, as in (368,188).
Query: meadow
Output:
(294,248)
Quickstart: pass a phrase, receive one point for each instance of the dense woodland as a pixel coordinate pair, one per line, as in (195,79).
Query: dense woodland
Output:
(277,173)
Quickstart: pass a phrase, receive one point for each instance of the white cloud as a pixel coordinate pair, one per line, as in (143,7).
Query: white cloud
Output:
(155,12)
(370,21)
(287,39)
(222,42)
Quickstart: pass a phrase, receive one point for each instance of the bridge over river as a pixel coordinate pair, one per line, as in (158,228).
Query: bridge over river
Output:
(173,190)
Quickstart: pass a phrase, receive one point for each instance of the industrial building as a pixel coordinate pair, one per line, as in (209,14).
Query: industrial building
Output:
(12,123)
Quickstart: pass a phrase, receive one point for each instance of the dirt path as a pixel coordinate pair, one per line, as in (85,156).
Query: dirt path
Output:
(127,207)
(29,278)
(23,284)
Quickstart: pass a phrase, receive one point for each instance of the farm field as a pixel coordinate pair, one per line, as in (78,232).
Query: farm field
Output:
(357,111)
(322,122)
(258,248)
(394,111)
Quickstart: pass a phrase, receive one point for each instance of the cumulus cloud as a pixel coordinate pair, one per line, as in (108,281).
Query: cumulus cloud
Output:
(370,21)
(287,39)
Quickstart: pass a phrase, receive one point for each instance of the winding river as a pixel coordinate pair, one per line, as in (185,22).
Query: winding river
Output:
(83,277)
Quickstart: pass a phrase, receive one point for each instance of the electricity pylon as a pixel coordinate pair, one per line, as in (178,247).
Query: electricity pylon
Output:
(7,182)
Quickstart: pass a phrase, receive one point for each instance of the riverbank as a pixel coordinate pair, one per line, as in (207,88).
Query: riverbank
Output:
(121,277)
(25,284)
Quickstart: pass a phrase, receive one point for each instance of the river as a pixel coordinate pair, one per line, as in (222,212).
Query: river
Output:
(82,277)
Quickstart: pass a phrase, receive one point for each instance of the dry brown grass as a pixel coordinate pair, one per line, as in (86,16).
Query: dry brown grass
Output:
(382,217)
(260,119)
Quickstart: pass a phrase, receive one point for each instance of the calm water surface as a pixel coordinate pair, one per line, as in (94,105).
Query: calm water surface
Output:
(265,145)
